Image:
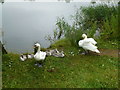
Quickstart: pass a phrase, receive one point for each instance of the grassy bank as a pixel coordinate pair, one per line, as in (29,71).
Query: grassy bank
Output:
(72,71)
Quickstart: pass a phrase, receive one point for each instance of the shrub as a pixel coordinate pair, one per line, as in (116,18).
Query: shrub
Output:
(110,28)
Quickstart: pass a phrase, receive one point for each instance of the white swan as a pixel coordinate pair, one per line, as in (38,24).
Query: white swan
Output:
(39,55)
(88,44)
(89,39)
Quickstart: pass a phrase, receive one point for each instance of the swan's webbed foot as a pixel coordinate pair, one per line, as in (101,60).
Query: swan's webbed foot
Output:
(39,64)
(85,53)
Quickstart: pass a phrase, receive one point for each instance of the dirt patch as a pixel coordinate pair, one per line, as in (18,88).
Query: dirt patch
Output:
(109,52)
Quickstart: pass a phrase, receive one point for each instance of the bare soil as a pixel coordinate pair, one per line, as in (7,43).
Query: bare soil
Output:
(110,52)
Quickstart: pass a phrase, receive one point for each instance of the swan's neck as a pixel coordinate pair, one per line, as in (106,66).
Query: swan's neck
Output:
(38,49)
(85,37)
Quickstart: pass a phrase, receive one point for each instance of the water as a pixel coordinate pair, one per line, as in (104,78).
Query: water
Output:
(26,23)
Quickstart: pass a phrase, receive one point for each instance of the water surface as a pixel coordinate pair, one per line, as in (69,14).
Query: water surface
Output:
(26,23)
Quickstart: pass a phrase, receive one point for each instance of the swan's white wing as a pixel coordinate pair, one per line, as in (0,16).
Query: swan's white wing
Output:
(88,45)
(80,43)
(84,42)
(91,47)
(42,55)
(37,56)
(92,41)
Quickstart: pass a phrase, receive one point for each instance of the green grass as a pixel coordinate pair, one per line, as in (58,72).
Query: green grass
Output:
(65,43)
(72,71)
(108,44)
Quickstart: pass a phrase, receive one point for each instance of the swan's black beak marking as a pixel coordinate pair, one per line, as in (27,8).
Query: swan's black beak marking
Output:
(35,49)
(35,46)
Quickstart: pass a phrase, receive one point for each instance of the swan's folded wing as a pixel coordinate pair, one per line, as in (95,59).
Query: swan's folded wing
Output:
(42,55)
(80,43)
(89,46)
(92,41)
(86,41)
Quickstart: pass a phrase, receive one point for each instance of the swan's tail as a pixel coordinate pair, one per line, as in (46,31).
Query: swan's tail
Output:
(97,51)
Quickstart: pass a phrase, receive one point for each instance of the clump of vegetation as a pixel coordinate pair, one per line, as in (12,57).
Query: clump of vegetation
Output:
(97,14)
(87,20)
(110,28)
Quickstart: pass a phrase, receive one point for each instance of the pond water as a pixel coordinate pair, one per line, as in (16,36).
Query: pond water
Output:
(26,23)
